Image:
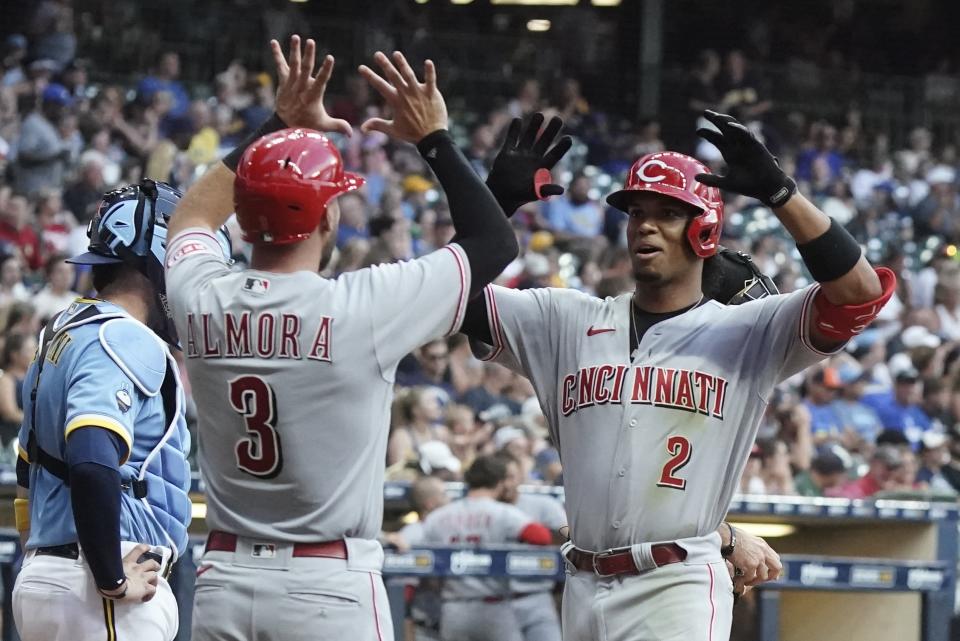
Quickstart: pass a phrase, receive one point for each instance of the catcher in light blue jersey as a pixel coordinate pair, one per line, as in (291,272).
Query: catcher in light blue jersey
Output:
(103,476)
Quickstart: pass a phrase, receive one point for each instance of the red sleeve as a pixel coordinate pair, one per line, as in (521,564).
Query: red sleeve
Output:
(536,534)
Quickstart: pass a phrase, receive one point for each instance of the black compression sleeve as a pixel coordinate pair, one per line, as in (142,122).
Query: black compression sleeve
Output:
(832,254)
(95,497)
(93,454)
(475,322)
(482,229)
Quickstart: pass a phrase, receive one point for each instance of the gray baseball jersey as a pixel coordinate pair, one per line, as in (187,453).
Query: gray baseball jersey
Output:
(293,377)
(474,522)
(548,511)
(653,443)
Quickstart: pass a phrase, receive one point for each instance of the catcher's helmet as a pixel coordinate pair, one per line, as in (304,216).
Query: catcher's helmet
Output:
(673,174)
(130,226)
(284,182)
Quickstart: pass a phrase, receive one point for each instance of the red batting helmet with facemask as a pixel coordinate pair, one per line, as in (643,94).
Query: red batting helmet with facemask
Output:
(284,182)
(672,174)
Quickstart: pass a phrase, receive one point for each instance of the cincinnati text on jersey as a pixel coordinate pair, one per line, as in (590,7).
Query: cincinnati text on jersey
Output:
(264,335)
(681,389)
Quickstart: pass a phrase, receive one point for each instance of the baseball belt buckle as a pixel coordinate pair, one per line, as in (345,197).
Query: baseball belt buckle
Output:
(602,555)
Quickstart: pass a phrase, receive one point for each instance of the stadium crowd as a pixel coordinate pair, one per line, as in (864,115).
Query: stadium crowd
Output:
(880,417)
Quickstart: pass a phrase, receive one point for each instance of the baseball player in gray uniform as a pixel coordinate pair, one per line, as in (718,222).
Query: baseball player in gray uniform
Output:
(479,608)
(532,602)
(427,494)
(293,373)
(653,399)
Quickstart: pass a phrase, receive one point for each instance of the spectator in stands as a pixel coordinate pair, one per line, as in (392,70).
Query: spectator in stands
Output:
(53,222)
(12,288)
(937,213)
(827,471)
(515,443)
(547,466)
(823,151)
(482,149)
(947,302)
(702,87)
(936,403)
(899,408)
(742,93)
(860,422)
(51,31)
(934,455)
(354,216)
(18,351)
(83,195)
(165,78)
(527,99)
(429,365)
(490,392)
(11,63)
(575,214)
(19,318)
(467,436)
(42,153)
(57,294)
(885,463)
(18,234)
(951,471)
(776,473)
(822,389)
(417,413)
(751,481)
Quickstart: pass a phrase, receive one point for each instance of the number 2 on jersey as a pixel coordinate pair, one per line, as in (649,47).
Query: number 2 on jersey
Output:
(679,449)
(260,453)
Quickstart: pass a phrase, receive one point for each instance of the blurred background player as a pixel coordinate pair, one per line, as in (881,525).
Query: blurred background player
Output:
(480,608)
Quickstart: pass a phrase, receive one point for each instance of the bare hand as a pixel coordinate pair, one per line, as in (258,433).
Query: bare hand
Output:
(142,578)
(418,108)
(300,93)
(753,562)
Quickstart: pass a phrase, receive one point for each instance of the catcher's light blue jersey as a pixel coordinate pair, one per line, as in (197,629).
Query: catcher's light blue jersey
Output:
(103,369)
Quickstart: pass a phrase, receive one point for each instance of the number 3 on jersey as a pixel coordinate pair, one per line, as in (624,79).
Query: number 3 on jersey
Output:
(260,453)
(679,449)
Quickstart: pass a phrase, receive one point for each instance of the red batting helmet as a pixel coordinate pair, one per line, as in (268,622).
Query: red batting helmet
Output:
(672,174)
(284,182)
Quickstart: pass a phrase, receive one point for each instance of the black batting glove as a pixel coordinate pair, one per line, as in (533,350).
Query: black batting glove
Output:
(521,171)
(751,169)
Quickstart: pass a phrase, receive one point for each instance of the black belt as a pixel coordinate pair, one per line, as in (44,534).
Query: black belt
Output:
(497,598)
(72,551)
(66,551)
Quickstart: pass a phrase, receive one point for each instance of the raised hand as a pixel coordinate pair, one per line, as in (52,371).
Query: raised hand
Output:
(299,92)
(521,170)
(751,169)
(418,108)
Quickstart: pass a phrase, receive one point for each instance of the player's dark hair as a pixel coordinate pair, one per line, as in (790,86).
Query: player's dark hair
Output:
(106,275)
(485,472)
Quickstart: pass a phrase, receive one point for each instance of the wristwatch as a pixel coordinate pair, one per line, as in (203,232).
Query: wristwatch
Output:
(727,550)
(116,597)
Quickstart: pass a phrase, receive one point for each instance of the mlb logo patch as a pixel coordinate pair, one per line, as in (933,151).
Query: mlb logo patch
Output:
(264,551)
(256,285)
